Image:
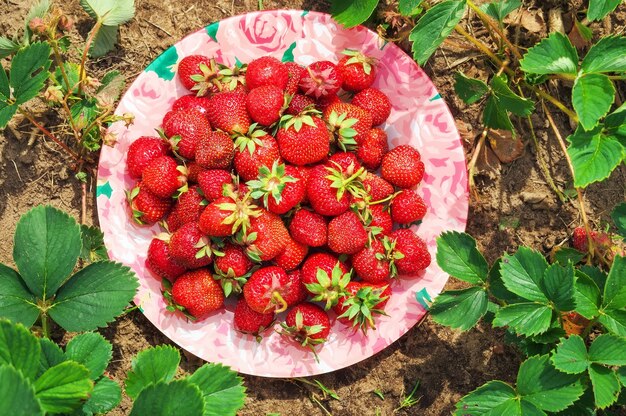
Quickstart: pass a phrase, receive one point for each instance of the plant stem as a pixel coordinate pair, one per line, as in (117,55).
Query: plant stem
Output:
(481,46)
(487,21)
(68,87)
(49,135)
(45,327)
(541,93)
(81,69)
(472,163)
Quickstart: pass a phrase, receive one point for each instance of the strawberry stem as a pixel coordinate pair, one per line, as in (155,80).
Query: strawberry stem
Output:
(277,299)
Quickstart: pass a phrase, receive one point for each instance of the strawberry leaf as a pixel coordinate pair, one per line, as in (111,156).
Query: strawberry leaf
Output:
(409,7)
(17,303)
(598,9)
(469,90)
(178,397)
(460,308)
(17,393)
(29,71)
(605,385)
(553,55)
(60,389)
(558,286)
(222,389)
(608,55)
(106,395)
(495,397)
(587,296)
(8,47)
(594,155)
(109,12)
(615,287)
(458,256)
(51,355)
(618,215)
(592,97)
(151,366)
(19,349)
(571,355)
(91,350)
(351,13)
(500,9)
(93,244)
(523,272)
(524,318)
(509,100)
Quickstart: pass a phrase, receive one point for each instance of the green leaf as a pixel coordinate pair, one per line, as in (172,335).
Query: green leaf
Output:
(17,396)
(469,90)
(597,275)
(593,155)
(113,84)
(608,350)
(105,396)
(615,284)
(525,318)
(587,296)
(608,55)
(553,55)
(492,398)
(105,41)
(571,355)
(592,97)
(47,244)
(598,9)
(16,301)
(72,71)
(351,13)
(509,100)
(6,113)
(110,12)
(222,390)
(433,27)
(496,286)
(458,256)
(617,118)
(93,244)
(495,115)
(522,272)
(84,112)
(51,355)
(163,399)
(558,286)
(409,7)
(565,255)
(94,296)
(150,367)
(5,88)
(614,321)
(621,374)
(546,387)
(8,47)
(500,9)
(91,350)
(19,348)
(460,308)
(62,387)
(29,71)
(618,215)
(605,385)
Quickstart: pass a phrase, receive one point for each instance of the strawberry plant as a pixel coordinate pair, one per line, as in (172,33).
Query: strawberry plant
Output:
(568,320)
(47,245)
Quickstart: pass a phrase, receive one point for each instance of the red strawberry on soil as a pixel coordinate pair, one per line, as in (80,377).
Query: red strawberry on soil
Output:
(325,277)
(253,150)
(192,102)
(580,240)
(215,151)
(160,262)
(292,255)
(362,303)
(198,293)
(227,112)
(163,177)
(416,256)
(265,289)
(249,321)
(265,104)
(321,79)
(402,167)
(299,103)
(375,102)
(212,183)
(296,71)
(190,247)
(267,71)
(185,129)
(199,74)
(407,207)
(372,148)
(309,228)
(357,70)
(280,189)
(187,208)
(141,152)
(146,207)
(307,324)
(303,139)
(348,124)
(267,236)
(346,233)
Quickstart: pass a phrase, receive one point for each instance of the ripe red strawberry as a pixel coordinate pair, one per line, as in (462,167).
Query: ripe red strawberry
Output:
(322,103)
(357,70)
(199,74)
(372,148)
(579,239)
(160,262)
(190,248)
(303,139)
(248,321)
(402,167)
(265,289)
(407,207)
(232,268)
(227,112)
(141,152)
(228,214)
(296,71)
(292,255)
(376,187)
(297,292)
(215,151)
(361,304)
(265,104)
(146,207)
(267,71)
(380,218)
(309,228)
(348,124)
(376,103)
(307,324)
(321,79)
(212,183)
(187,208)
(163,177)
(185,129)
(325,277)
(371,263)
(281,189)
(198,293)
(254,150)
(346,233)
(192,102)
(323,196)
(299,103)
(234,78)
(270,236)
(346,162)
(193,170)
(416,256)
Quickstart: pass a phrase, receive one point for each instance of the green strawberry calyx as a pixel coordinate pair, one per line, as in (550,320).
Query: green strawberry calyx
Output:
(270,183)
(329,289)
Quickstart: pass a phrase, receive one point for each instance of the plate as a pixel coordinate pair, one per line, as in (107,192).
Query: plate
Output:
(419,117)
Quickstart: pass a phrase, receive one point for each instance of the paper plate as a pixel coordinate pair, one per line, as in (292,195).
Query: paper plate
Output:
(419,117)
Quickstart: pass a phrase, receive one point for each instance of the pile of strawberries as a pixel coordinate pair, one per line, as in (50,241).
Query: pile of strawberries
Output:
(266,183)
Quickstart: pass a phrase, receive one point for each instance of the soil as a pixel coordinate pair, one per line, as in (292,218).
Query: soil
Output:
(512,205)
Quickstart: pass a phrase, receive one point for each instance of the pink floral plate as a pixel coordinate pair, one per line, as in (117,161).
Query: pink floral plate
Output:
(419,117)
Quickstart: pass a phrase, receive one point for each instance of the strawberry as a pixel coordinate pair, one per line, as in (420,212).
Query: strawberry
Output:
(146,207)
(141,152)
(254,150)
(248,321)
(163,177)
(402,167)
(321,79)
(376,103)
(191,102)
(232,268)
(227,112)
(185,129)
(198,293)
(372,148)
(267,236)
(371,263)
(215,151)
(234,78)
(579,239)
(296,71)
(376,187)
(199,74)
(380,219)
(299,103)
(226,215)
(265,104)
(416,256)
(267,71)
(190,247)
(357,70)
(309,228)
(322,103)
(346,233)
(307,324)
(325,277)
(361,304)
(265,289)
(303,139)
(187,208)
(292,255)
(281,189)
(160,262)
(324,198)
(193,170)
(407,207)
(346,162)
(212,183)
(297,292)
(348,124)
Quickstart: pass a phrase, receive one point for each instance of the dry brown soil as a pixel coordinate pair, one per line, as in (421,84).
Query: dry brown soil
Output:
(512,206)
